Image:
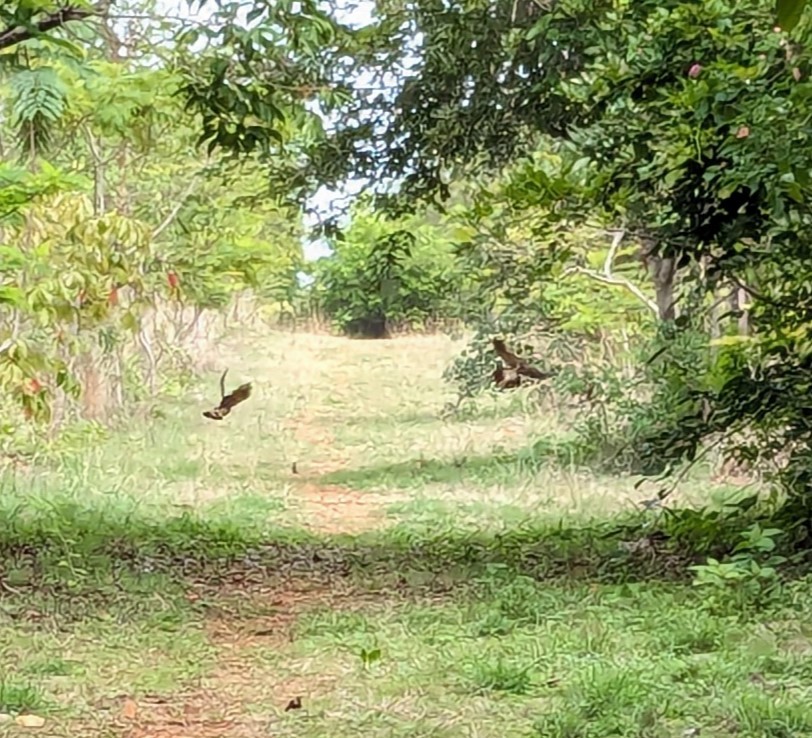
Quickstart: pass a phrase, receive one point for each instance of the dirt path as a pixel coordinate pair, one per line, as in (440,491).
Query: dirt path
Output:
(337,510)
(225,701)
(329,508)
(304,395)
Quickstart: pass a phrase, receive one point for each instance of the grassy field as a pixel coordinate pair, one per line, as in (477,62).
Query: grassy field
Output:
(339,540)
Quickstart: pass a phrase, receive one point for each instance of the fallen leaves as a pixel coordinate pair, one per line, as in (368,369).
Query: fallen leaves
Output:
(294,704)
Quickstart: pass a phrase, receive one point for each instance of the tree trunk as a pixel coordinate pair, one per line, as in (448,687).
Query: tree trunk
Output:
(738,302)
(662,271)
(715,327)
(372,326)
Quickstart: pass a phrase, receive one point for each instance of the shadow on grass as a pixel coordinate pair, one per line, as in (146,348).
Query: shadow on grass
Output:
(99,549)
(88,558)
(485,469)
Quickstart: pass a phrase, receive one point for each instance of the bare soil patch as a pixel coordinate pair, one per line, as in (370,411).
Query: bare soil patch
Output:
(201,714)
(309,431)
(225,702)
(330,509)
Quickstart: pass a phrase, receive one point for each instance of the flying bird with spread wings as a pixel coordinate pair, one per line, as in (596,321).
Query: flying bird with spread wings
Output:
(509,374)
(227,402)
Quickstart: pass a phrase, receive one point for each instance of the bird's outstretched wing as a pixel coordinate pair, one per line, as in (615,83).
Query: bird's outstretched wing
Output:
(504,354)
(516,363)
(242,393)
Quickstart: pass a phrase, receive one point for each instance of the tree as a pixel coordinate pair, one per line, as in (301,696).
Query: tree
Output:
(386,273)
(680,124)
(114,224)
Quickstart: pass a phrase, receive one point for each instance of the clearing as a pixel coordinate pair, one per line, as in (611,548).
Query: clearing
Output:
(339,541)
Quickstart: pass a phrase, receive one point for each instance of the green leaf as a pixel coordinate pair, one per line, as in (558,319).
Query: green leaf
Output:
(370,656)
(10,296)
(788,13)
(75,51)
(130,322)
(535,30)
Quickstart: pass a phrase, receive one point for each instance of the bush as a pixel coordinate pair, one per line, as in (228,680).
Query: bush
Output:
(385,274)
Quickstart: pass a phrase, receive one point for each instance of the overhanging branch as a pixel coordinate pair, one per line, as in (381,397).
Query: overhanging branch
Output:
(607,277)
(17,34)
(167,221)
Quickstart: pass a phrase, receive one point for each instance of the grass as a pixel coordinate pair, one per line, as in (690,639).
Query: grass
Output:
(518,656)
(417,575)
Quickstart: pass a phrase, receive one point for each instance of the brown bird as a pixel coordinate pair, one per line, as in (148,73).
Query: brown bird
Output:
(505,378)
(519,365)
(242,393)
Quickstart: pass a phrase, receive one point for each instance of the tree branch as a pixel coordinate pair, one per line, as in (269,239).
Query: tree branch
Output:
(176,209)
(775,301)
(607,277)
(17,34)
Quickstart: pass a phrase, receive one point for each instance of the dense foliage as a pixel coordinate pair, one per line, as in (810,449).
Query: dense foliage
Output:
(116,235)
(636,179)
(684,125)
(384,274)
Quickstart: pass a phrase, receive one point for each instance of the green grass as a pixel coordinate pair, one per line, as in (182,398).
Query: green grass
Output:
(516,656)
(176,563)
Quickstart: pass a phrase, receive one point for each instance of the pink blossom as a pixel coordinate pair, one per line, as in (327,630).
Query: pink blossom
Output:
(695,70)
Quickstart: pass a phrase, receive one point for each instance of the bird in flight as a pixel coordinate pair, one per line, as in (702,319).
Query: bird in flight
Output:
(242,393)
